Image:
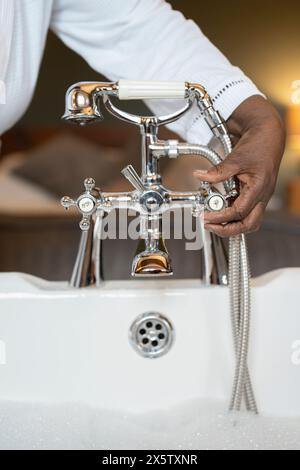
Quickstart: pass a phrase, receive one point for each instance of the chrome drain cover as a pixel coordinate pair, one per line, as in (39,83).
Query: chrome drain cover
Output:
(151,335)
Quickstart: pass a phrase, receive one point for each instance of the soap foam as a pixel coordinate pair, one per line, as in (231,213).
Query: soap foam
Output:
(192,426)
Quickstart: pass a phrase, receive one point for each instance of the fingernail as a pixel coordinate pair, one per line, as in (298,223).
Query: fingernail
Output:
(200,172)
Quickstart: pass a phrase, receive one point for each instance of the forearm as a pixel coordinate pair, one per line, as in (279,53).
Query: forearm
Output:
(258,122)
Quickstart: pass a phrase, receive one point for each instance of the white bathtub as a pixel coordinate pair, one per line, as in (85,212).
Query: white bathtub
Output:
(72,346)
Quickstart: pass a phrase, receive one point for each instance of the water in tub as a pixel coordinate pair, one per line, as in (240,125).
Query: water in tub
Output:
(192,426)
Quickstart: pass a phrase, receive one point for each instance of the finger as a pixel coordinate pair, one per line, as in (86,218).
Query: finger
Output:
(240,209)
(222,172)
(250,224)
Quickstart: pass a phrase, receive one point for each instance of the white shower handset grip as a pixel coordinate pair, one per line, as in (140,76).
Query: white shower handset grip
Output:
(151,90)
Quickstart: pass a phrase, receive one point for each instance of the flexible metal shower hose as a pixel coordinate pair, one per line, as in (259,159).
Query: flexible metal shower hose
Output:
(239,283)
(240,304)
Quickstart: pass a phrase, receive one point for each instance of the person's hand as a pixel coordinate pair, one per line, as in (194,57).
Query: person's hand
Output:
(259,138)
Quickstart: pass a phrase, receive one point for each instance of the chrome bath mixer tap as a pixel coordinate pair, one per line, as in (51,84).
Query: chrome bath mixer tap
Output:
(151,199)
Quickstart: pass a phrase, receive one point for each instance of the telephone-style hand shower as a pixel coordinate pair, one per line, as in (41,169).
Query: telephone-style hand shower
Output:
(149,197)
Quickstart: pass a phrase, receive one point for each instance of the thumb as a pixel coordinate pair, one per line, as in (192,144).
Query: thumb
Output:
(219,173)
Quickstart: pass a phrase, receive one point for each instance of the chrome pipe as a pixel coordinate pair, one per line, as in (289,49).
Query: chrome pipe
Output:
(87,270)
(214,255)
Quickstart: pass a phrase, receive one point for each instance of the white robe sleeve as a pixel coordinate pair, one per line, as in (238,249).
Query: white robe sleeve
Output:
(148,40)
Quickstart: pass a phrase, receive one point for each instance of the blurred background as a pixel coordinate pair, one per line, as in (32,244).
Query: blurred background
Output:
(43,158)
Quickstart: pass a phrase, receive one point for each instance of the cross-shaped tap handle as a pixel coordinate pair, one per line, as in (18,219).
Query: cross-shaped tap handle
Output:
(86,203)
(214,201)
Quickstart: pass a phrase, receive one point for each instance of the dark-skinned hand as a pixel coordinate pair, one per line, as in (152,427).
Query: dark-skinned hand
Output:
(259,139)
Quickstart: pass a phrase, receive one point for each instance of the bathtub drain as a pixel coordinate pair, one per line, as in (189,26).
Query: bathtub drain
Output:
(151,335)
